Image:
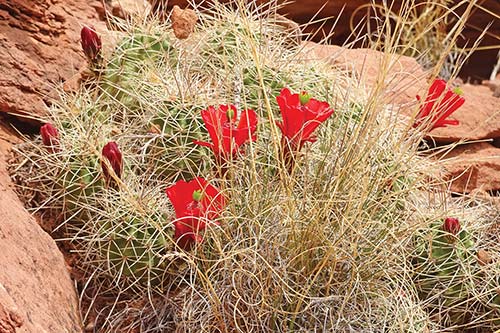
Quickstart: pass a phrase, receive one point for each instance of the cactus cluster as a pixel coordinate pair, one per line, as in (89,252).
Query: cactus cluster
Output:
(144,121)
(126,131)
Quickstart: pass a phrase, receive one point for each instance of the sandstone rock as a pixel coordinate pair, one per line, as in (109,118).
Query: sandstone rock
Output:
(484,258)
(479,117)
(40,48)
(129,8)
(404,80)
(36,292)
(183,22)
(9,320)
(473,166)
(494,84)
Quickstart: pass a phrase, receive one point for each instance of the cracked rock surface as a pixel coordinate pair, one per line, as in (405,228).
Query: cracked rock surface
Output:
(40,48)
(36,291)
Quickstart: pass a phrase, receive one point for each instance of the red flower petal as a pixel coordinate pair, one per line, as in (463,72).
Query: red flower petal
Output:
(246,128)
(439,110)
(300,121)
(435,91)
(449,104)
(184,235)
(192,215)
(203,143)
(226,136)
(213,122)
(181,194)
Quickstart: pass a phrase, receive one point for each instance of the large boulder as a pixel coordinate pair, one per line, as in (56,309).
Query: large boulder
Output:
(474,166)
(36,291)
(404,78)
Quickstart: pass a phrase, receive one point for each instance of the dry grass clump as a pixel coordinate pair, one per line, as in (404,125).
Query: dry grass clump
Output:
(330,244)
(425,30)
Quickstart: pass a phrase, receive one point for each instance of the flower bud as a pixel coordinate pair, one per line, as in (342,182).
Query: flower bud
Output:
(91,43)
(50,135)
(304,97)
(197,195)
(451,225)
(112,153)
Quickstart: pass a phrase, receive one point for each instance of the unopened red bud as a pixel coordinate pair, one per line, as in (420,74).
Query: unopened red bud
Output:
(50,135)
(451,225)
(91,43)
(112,153)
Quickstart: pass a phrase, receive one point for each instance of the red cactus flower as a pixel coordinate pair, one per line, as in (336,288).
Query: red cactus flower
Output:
(91,43)
(112,153)
(451,225)
(195,202)
(50,136)
(227,135)
(301,116)
(436,113)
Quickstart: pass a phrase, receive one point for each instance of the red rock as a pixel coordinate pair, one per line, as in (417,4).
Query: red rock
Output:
(404,79)
(473,166)
(494,84)
(479,117)
(40,48)
(183,22)
(128,9)
(9,320)
(36,292)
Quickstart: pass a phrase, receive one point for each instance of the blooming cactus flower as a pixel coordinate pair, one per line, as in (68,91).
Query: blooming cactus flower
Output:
(437,107)
(451,225)
(227,134)
(50,135)
(195,202)
(114,156)
(91,43)
(301,116)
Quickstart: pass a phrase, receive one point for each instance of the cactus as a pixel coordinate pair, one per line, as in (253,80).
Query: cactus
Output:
(229,43)
(119,80)
(448,274)
(133,247)
(172,152)
(78,180)
(273,80)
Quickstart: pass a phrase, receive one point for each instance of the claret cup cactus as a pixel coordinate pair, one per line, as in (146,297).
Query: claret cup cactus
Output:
(449,274)
(207,184)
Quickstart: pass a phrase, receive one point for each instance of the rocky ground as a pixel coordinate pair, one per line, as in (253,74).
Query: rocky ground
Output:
(40,49)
